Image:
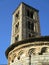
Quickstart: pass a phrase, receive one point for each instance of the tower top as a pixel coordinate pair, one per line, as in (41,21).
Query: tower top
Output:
(27,6)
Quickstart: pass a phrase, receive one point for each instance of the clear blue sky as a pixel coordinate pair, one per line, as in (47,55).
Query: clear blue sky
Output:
(6,9)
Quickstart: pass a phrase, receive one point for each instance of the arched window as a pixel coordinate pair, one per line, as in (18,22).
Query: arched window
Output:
(43,50)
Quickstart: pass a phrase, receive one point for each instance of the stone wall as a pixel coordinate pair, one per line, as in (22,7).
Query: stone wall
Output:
(26,54)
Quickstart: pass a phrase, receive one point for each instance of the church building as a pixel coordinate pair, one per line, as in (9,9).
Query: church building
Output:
(27,47)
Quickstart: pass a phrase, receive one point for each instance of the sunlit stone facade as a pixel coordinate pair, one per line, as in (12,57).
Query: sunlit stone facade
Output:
(27,47)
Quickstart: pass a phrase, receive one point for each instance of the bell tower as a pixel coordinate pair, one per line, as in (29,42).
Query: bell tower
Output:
(25,23)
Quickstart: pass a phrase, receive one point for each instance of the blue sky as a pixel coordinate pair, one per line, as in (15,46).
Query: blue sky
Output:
(6,9)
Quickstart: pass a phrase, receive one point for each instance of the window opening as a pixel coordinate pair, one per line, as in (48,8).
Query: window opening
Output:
(16,27)
(16,38)
(28,13)
(28,25)
(32,26)
(17,15)
(29,35)
(31,14)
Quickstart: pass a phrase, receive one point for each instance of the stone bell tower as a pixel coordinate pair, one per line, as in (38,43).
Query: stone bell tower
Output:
(27,47)
(25,23)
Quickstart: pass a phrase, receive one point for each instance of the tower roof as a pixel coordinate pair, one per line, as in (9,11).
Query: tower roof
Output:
(27,6)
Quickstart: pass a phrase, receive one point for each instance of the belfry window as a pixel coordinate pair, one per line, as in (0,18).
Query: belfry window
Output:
(30,25)
(29,35)
(16,27)
(16,38)
(31,14)
(17,15)
(28,13)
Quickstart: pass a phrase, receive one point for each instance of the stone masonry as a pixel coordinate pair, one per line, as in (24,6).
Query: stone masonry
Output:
(27,47)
